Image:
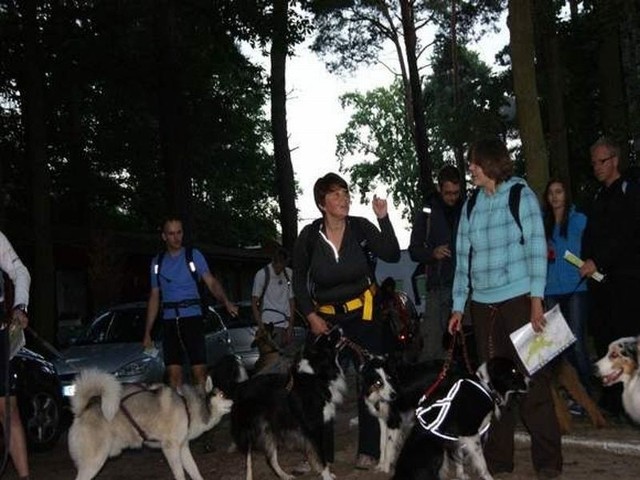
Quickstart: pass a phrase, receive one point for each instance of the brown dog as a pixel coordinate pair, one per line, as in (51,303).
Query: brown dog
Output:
(267,347)
(565,376)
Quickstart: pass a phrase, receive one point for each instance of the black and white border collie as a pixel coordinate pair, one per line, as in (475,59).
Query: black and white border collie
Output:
(450,421)
(391,393)
(292,409)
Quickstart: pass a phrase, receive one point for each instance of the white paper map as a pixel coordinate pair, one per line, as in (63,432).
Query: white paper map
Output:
(537,349)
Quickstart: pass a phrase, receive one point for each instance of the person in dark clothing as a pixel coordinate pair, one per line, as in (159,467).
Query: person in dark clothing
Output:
(334,284)
(611,246)
(433,245)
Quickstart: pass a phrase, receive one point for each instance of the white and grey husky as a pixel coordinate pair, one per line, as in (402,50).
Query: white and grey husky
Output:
(109,417)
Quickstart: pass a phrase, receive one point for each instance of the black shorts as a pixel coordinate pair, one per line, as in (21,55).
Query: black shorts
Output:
(4,344)
(183,339)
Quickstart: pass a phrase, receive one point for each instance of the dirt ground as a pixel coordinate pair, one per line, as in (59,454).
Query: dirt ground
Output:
(612,452)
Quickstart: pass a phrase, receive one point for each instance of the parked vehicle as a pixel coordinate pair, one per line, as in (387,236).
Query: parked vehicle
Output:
(112,342)
(242,330)
(39,397)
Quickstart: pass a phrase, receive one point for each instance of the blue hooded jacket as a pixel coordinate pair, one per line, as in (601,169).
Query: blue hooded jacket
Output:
(562,277)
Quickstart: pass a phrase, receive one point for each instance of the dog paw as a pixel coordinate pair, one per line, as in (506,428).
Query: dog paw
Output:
(327,475)
(223,404)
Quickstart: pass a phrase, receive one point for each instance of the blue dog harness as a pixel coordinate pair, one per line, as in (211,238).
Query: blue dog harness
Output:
(466,398)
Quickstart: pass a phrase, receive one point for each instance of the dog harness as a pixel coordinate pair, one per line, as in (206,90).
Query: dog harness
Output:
(466,399)
(145,389)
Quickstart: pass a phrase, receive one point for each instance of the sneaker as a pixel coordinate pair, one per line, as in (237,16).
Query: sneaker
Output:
(365,462)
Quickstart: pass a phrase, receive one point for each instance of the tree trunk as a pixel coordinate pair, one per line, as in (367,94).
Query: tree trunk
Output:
(613,104)
(281,152)
(458,149)
(524,82)
(552,69)
(172,118)
(31,86)
(425,180)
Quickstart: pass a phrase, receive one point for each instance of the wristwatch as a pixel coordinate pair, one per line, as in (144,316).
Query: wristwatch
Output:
(22,307)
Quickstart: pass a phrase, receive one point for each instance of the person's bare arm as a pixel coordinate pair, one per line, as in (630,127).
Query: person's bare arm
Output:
(255,308)
(153,306)
(217,291)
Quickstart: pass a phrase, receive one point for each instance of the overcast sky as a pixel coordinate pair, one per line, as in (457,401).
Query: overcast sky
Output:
(314,118)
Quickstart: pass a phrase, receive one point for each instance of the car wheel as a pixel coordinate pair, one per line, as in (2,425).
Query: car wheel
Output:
(41,414)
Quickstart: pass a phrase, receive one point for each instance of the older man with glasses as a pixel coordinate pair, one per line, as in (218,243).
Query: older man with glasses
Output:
(611,245)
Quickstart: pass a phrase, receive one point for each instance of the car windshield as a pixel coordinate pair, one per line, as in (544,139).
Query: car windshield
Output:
(118,326)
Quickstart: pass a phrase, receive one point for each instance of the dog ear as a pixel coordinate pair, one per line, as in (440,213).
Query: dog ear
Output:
(630,347)
(208,384)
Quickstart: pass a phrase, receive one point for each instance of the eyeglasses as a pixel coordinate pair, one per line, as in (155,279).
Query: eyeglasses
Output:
(597,162)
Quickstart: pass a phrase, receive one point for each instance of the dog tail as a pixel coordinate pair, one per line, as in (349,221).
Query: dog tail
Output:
(92,384)
(249,475)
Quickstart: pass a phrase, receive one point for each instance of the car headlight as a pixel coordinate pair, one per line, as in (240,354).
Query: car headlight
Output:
(69,390)
(135,368)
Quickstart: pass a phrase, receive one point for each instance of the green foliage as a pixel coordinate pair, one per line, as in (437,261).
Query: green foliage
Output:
(351,33)
(377,135)
(481,96)
(378,140)
(103,100)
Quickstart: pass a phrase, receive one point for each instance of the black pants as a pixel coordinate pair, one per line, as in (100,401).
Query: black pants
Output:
(614,310)
(368,334)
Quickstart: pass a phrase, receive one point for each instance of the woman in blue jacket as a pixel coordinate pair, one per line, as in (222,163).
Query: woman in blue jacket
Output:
(501,271)
(563,228)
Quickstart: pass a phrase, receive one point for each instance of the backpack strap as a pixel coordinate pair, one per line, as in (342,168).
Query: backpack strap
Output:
(515,193)
(191,265)
(158,267)
(472,202)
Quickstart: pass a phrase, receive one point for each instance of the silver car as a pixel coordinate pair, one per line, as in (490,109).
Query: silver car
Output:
(242,330)
(112,342)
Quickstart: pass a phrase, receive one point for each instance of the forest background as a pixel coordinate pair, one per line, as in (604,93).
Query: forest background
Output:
(114,112)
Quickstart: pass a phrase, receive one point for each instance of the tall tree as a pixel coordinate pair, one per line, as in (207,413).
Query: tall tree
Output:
(356,32)
(550,67)
(377,134)
(171,112)
(280,43)
(522,47)
(613,102)
(31,85)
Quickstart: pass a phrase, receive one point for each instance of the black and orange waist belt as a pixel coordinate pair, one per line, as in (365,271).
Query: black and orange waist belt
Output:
(364,301)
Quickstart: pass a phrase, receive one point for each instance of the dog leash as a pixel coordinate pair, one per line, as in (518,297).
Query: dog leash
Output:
(447,363)
(145,389)
(360,351)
